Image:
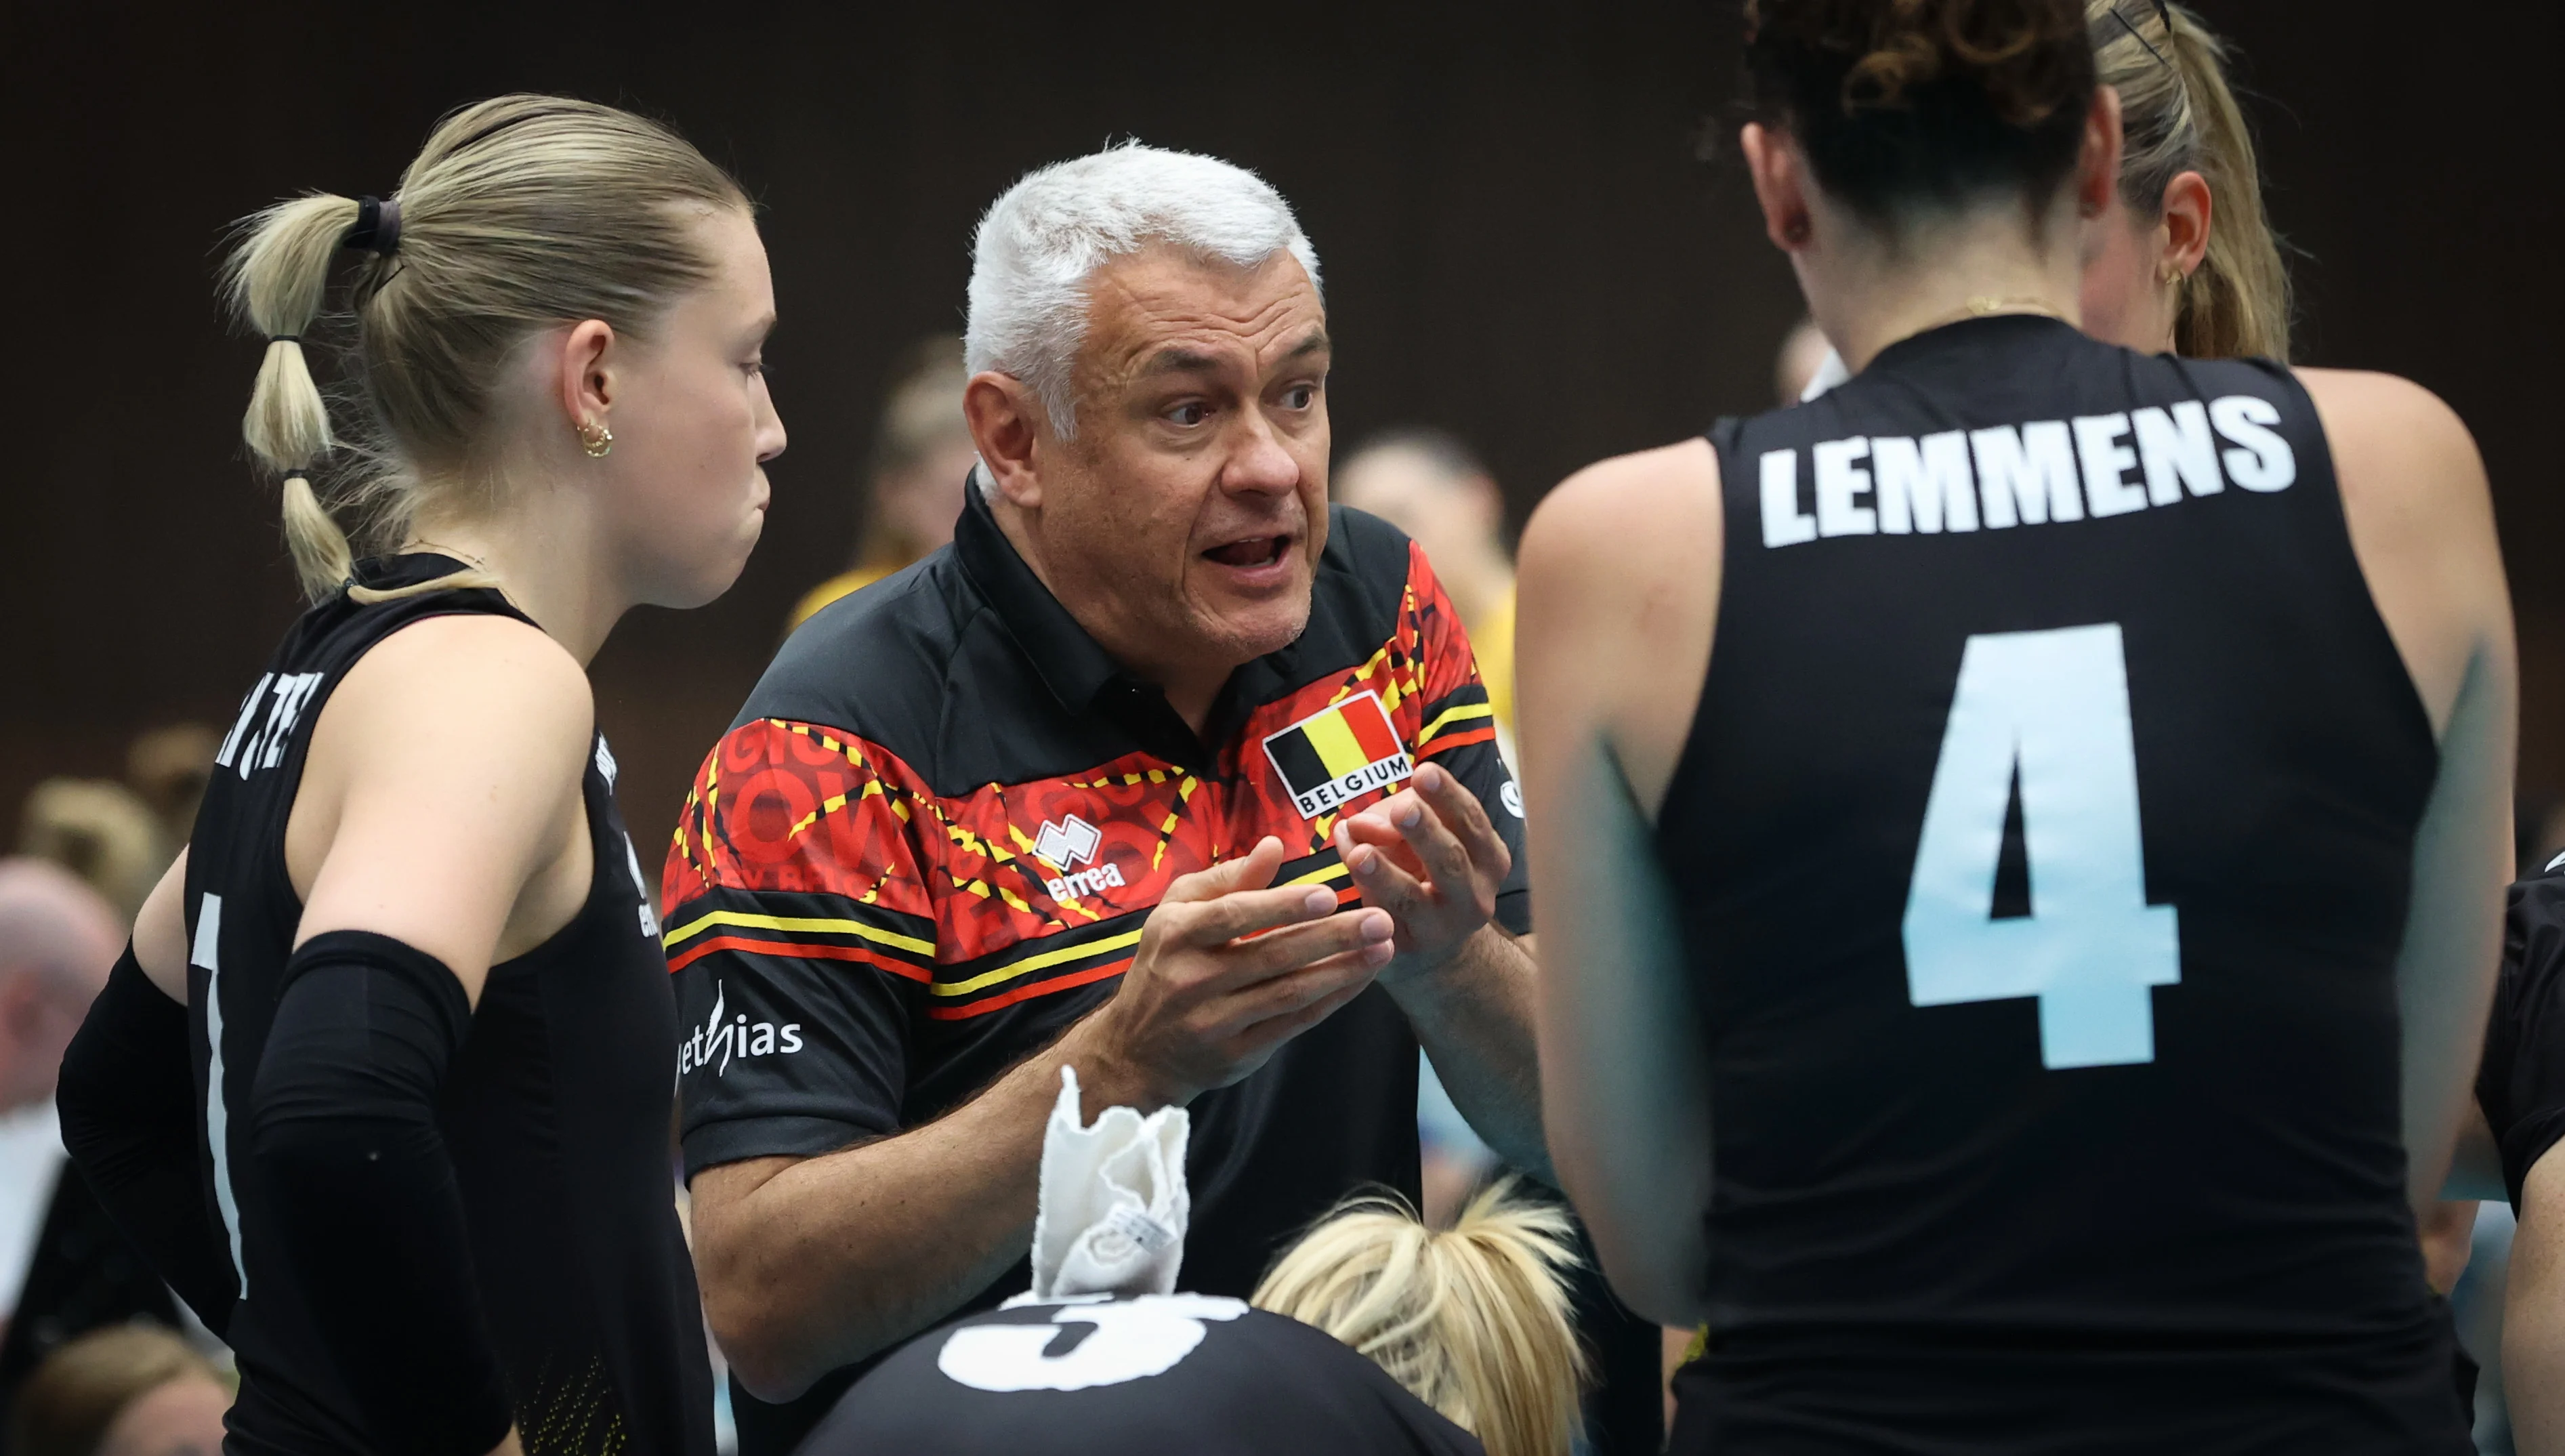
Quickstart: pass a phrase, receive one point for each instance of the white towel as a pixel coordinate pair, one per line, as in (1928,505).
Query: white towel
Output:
(1113,1201)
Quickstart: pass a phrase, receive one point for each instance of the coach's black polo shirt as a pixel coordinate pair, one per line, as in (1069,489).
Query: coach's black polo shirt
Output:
(929,842)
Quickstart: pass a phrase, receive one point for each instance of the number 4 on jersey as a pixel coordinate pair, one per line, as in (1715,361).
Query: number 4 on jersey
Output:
(2048,710)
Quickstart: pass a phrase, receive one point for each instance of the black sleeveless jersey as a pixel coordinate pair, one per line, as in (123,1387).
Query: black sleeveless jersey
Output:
(556,1110)
(1198,1373)
(2042,845)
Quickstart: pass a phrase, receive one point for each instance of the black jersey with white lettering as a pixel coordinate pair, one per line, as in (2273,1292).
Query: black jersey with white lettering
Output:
(555,1109)
(1196,1373)
(2520,1085)
(2042,845)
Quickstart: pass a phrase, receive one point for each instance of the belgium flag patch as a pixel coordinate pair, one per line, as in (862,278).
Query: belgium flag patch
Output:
(1338,755)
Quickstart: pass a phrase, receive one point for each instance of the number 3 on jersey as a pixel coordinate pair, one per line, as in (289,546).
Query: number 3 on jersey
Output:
(2048,710)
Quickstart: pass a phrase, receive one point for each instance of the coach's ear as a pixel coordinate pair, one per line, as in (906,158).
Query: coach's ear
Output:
(1007,422)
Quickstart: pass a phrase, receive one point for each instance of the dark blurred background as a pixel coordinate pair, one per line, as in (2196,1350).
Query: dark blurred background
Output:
(1521,243)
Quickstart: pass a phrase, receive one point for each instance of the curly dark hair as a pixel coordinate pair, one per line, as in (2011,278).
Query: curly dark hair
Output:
(1901,104)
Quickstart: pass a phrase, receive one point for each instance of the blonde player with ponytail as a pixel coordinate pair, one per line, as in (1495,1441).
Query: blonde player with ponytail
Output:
(382,1085)
(2182,260)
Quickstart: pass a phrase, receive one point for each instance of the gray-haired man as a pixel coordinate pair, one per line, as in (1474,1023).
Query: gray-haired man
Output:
(1162,770)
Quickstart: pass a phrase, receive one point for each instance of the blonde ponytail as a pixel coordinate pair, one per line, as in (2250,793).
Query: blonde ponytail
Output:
(2238,301)
(2177,115)
(279,279)
(520,213)
(1473,1320)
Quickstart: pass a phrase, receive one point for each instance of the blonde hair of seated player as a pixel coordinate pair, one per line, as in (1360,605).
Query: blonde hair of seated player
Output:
(1471,1319)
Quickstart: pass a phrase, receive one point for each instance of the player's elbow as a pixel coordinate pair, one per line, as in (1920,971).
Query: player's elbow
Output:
(1659,1276)
(1651,1251)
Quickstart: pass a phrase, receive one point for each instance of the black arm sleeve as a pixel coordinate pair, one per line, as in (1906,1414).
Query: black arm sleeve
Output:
(128,1109)
(343,1122)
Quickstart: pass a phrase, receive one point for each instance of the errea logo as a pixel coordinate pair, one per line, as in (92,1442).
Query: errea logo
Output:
(1067,844)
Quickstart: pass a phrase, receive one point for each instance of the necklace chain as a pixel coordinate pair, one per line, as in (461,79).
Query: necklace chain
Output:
(465,557)
(1988,305)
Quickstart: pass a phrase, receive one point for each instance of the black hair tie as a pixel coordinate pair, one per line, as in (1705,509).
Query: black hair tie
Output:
(2140,36)
(377,228)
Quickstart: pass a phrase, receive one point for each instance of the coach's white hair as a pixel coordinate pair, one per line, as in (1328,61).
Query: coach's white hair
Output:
(1045,236)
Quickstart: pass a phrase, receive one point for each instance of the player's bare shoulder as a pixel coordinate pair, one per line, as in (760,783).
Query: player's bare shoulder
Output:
(1635,533)
(2421,516)
(444,674)
(1589,519)
(451,703)
(1620,573)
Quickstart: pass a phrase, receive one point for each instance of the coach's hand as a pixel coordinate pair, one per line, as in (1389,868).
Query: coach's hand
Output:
(1429,856)
(1227,971)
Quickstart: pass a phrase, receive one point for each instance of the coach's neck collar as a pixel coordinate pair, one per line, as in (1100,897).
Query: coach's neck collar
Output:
(1071,663)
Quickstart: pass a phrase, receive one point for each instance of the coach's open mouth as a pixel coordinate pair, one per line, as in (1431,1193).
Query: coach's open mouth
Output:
(1253,554)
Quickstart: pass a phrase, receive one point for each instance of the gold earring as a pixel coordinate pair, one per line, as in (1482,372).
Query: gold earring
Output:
(2174,275)
(597,441)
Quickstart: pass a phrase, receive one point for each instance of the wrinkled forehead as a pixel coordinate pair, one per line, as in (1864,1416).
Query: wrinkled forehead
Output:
(1167,309)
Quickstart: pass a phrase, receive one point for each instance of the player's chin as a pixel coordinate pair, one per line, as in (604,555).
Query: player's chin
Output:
(701,576)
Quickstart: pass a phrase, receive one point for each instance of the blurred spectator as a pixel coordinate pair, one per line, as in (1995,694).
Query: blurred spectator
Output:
(103,833)
(1803,352)
(58,940)
(169,767)
(127,1391)
(84,1276)
(1428,484)
(913,492)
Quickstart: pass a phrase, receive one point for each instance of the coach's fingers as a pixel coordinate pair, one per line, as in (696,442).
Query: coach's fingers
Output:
(1295,947)
(1445,858)
(1372,827)
(1275,1031)
(1385,883)
(1207,925)
(1288,1005)
(1464,814)
(1251,870)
